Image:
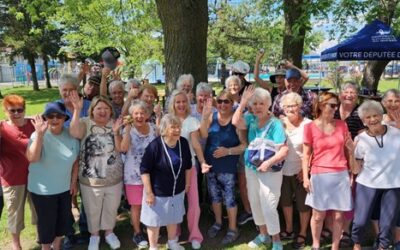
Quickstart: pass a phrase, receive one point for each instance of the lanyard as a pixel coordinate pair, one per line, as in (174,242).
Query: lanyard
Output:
(176,175)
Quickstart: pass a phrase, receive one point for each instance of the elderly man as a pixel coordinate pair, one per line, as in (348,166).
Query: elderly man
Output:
(294,83)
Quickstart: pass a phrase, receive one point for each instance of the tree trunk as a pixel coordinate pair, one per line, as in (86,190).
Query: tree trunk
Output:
(46,71)
(35,83)
(372,74)
(185,24)
(293,41)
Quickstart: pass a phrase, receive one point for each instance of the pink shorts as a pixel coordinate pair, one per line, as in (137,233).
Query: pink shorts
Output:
(134,194)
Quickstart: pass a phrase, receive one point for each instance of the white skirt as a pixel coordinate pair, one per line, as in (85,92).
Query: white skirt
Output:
(330,191)
(165,211)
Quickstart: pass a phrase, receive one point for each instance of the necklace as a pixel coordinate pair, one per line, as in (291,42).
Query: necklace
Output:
(380,143)
(176,175)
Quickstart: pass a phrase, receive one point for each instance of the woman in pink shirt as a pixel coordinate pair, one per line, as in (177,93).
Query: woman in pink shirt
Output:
(324,157)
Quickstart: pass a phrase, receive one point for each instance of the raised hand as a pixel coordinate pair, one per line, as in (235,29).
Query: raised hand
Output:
(117,125)
(207,108)
(40,125)
(247,94)
(116,74)
(260,55)
(76,100)
(157,110)
(105,72)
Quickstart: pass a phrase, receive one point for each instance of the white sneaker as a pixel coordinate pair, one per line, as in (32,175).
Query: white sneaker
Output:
(196,244)
(113,241)
(174,245)
(94,243)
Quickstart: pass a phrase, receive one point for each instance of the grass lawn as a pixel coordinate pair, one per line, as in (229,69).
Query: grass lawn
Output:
(35,105)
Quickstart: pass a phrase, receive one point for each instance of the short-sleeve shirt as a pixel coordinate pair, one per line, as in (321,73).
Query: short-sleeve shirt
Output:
(305,109)
(99,164)
(293,161)
(155,163)
(189,125)
(275,133)
(52,173)
(13,162)
(134,155)
(221,136)
(353,121)
(381,165)
(328,150)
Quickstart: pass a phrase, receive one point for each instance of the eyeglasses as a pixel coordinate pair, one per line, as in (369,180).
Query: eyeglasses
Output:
(57,116)
(226,101)
(332,105)
(290,106)
(16,111)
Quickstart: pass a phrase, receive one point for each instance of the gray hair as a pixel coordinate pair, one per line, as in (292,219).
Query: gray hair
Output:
(114,84)
(203,87)
(369,106)
(260,94)
(389,92)
(68,78)
(132,82)
(291,96)
(233,78)
(183,78)
(141,105)
(174,94)
(168,120)
(349,84)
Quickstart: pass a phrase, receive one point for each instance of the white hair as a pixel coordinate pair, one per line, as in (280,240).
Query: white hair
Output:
(369,106)
(113,84)
(291,96)
(203,87)
(168,120)
(68,78)
(233,78)
(260,94)
(141,105)
(183,78)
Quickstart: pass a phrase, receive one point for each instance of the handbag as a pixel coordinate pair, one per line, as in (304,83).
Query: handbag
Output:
(261,149)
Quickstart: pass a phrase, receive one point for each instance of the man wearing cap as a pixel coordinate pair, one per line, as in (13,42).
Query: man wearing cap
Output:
(91,88)
(294,83)
(241,69)
(278,77)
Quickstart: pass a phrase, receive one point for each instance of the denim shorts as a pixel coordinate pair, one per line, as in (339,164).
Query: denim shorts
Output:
(222,186)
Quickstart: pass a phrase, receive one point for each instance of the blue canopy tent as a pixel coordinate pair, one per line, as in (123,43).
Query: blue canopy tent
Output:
(375,41)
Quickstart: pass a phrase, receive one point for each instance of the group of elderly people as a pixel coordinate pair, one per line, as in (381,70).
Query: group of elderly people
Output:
(338,168)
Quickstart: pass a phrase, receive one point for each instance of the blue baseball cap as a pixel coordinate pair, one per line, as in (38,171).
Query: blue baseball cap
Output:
(55,107)
(293,73)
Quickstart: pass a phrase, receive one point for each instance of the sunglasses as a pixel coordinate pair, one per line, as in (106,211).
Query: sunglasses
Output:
(332,105)
(226,101)
(237,74)
(57,116)
(16,111)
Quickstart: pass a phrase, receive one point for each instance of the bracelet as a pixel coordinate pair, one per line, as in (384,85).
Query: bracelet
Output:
(229,151)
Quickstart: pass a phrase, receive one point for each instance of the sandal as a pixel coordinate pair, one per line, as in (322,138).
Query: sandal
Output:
(230,237)
(326,235)
(346,241)
(299,244)
(214,230)
(285,235)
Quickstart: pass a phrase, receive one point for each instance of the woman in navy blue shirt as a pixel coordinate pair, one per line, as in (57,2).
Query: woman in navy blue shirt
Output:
(165,170)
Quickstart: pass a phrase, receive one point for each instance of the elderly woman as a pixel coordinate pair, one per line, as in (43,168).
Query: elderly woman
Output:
(137,135)
(378,182)
(53,174)
(14,138)
(69,83)
(117,92)
(233,84)
(391,102)
(347,112)
(100,168)
(180,107)
(185,83)
(324,155)
(204,92)
(165,170)
(292,185)
(222,151)
(263,180)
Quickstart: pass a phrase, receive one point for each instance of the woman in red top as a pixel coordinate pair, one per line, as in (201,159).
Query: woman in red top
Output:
(328,188)
(14,138)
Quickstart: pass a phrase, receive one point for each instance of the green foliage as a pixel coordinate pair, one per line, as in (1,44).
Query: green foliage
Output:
(132,26)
